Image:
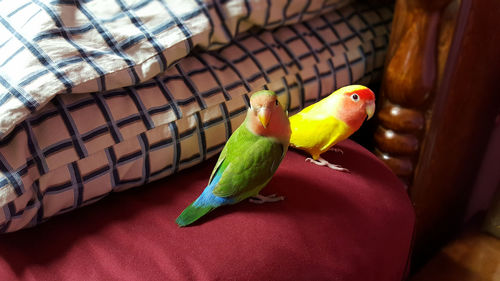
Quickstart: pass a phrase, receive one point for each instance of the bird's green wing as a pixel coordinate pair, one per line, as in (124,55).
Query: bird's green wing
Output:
(222,156)
(236,137)
(249,163)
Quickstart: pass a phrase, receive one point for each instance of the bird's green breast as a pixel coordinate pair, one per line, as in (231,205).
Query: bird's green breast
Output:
(250,162)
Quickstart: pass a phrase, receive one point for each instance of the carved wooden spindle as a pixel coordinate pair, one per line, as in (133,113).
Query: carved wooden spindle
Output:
(459,124)
(412,66)
(438,102)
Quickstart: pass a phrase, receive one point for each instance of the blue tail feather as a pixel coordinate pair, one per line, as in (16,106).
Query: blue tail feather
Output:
(205,203)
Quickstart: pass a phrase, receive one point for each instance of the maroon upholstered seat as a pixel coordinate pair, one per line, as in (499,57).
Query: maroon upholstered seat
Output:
(331,226)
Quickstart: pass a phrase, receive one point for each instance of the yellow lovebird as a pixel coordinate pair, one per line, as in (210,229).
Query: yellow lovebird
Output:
(320,126)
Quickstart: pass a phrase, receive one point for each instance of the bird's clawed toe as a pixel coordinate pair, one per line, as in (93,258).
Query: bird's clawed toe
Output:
(336,149)
(323,162)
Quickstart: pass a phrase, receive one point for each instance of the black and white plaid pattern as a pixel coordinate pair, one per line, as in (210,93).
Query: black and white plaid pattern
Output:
(79,148)
(49,47)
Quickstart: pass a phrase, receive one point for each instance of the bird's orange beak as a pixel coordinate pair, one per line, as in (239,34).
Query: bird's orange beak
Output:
(264,116)
(370,109)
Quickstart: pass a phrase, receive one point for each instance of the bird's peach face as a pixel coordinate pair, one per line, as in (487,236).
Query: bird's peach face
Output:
(267,118)
(263,106)
(361,101)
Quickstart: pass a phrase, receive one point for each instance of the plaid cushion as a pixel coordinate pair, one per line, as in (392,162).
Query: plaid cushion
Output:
(79,148)
(48,47)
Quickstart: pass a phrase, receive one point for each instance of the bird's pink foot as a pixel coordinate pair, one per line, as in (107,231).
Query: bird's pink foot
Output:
(323,162)
(260,199)
(336,149)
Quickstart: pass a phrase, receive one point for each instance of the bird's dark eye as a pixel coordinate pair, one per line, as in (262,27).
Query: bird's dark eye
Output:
(276,102)
(355,97)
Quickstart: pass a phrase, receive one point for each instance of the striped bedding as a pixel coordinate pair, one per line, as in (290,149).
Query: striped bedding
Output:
(102,100)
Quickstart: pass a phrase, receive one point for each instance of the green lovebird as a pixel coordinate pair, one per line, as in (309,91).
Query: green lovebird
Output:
(248,161)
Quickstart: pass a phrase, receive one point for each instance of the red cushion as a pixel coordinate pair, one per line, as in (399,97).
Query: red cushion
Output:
(331,226)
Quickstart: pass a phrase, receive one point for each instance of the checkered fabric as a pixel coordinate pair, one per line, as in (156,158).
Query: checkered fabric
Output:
(80,147)
(49,47)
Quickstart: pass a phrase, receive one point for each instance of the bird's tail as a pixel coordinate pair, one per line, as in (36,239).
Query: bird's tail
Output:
(192,213)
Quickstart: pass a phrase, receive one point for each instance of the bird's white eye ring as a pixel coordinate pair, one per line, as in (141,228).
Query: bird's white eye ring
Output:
(355,97)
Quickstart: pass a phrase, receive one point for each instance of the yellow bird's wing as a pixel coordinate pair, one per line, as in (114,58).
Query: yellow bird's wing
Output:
(316,133)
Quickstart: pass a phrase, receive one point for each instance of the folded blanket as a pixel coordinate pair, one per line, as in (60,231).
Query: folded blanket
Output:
(80,147)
